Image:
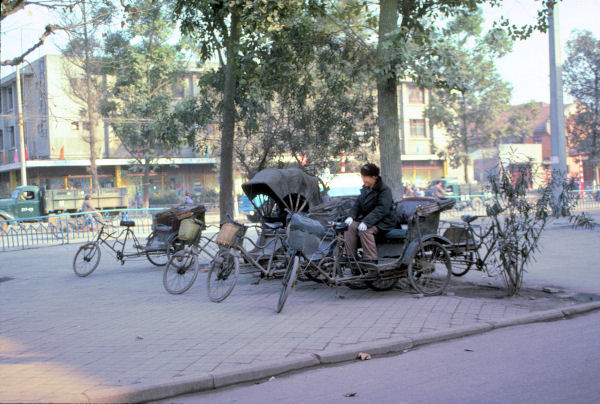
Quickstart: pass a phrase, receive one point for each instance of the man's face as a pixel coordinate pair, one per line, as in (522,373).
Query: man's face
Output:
(368,181)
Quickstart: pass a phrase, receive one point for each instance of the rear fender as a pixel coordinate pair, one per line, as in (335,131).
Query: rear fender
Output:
(412,248)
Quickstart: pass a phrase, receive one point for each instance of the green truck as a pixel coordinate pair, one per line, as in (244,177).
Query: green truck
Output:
(31,201)
(466,195)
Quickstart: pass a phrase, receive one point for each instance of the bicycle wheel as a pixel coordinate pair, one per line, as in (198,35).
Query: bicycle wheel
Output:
(175,246)
(158,258)
(86,259)
(289,281)
(178,278)
(222,276)
(462,263)
(430,268)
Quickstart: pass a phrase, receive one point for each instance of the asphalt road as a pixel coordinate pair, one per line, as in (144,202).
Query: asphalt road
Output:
(555,362)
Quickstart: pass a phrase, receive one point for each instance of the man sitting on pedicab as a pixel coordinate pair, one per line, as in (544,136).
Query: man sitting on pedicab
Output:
(372,212)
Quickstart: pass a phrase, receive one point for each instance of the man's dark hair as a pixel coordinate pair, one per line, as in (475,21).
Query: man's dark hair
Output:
(369,170)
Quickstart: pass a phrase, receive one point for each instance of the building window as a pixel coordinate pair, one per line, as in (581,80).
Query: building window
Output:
(74,125)
(417,128)
(11,135)
(416,95)
(7,98)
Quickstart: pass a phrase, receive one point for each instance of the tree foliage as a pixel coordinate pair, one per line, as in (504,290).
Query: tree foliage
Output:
(83,66)
(582,80)
(473,98)
(303,92)
(143,71)
(230,30)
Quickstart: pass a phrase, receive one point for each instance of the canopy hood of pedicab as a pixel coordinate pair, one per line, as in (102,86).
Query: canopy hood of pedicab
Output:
(278,183)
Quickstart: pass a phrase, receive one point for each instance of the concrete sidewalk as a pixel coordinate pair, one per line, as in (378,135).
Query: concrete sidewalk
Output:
(118,336)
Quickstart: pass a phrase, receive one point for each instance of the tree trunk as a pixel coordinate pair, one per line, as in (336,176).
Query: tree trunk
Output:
(146,184)
(465,139)
(90,103)
(387,103)
(228,125)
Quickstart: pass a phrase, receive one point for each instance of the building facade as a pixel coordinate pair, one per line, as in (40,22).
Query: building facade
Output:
(56,139)
(420,141)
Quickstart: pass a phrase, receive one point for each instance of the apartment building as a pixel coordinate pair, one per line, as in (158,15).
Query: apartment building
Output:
(420,141)
(55,133)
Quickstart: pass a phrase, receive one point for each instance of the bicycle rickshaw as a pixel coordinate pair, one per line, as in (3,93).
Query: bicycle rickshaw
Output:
(273,193)
(413,250)
(122,241)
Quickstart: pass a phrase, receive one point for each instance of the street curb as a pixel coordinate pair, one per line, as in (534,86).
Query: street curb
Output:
(443,335)
(378,348)
(263,370)
(350,353)
(536,317)
(581,308)
(157,392)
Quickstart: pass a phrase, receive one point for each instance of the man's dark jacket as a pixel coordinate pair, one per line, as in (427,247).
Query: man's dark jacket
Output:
(374,207)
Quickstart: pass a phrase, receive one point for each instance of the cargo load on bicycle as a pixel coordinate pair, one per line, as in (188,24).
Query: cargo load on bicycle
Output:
(172,228)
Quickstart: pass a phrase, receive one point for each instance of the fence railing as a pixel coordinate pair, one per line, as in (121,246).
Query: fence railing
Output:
(475,204)
(68,228)
(79,227)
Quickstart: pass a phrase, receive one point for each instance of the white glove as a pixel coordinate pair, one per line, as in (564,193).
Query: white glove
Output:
(362,227)
(348,221)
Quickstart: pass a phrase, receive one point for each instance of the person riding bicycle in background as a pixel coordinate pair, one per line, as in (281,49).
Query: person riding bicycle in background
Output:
(371,213)
(438,190)
(87,207)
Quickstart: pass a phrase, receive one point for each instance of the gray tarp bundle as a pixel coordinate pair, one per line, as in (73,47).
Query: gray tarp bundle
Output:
(284,185)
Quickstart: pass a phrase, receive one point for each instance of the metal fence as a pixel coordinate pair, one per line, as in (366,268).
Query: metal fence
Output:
(68,227)
(475,204)
(78,227)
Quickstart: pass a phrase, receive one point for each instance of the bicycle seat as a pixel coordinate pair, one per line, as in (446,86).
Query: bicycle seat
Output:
(127,223)
(468,218)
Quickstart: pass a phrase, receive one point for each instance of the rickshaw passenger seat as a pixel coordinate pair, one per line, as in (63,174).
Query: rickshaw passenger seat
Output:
(396,234)
(406,208)
(273,226)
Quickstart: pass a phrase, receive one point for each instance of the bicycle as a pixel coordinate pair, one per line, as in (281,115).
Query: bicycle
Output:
(467,243)
(88,255)
(268,256)
(184,265)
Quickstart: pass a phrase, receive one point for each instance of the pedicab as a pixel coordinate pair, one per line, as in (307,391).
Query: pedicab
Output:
(274,193)
(412,250)
(124,244)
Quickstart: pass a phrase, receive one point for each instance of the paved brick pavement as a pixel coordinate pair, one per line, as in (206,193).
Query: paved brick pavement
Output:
(70,339)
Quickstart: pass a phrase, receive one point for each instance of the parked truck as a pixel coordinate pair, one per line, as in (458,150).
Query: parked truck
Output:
(466,195)
(32,201)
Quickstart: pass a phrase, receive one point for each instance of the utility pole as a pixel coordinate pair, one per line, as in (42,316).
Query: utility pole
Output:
(21,131)
(558,143)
